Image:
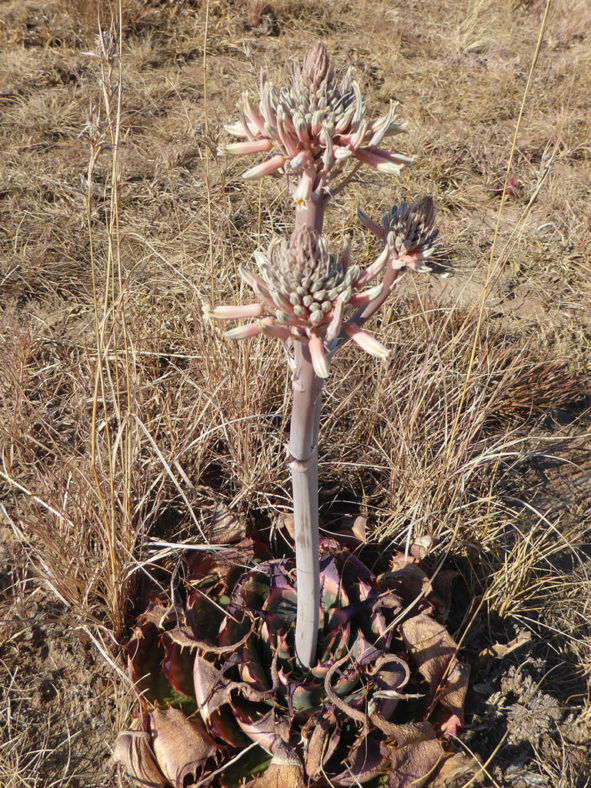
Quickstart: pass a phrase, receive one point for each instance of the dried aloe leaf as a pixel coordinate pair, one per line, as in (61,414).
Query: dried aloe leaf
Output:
(268,731)
(412,765)
(459,767)
(225,527)
(433,650)
(212,690)
(284,771)
(431,647)
(323,737)
(366,760)
(181,745)
(132,749)
(453,694)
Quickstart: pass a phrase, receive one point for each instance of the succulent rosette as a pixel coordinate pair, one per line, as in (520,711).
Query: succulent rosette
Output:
(224,699)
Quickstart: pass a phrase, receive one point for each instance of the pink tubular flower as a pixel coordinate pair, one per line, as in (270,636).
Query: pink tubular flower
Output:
(314,125)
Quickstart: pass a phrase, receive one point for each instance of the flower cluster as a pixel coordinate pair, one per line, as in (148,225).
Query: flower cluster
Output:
(304,291)
(227,656)
(408,232)
(310,295)
(313,126)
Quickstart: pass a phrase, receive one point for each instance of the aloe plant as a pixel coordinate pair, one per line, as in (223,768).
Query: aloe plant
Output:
(229,699)
(337,676)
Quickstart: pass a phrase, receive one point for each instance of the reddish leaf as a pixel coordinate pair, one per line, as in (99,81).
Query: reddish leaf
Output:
(251,668)
(363,652)
(144,658)
(451,727)
(335,642)
(204,617)
(222,723)
(177,665)
(331,586)
(389,676)
(353,572)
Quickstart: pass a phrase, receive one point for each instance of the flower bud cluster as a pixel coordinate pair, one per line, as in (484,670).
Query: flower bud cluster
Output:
(304,291)
(314,125)
(304,280)
(307,294)
(408,232)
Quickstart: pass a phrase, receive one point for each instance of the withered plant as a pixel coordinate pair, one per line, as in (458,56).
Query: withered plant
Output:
(319,670)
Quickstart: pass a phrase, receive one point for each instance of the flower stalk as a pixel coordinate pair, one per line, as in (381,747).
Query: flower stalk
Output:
(303,465)
(303,457)
(315,132)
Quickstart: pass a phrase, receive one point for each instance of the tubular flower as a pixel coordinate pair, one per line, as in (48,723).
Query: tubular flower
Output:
(313,126)
(224,697)
(304,292)
(408,233)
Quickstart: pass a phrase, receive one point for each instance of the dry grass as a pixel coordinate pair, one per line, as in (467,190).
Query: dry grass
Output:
(125,418)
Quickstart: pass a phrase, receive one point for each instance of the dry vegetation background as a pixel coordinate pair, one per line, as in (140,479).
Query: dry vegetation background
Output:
(127,422)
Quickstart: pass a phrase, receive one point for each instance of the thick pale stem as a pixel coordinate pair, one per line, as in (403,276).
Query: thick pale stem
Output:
(303,450)
(312,214)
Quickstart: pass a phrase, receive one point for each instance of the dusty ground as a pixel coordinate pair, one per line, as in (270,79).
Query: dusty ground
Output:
(96,463)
